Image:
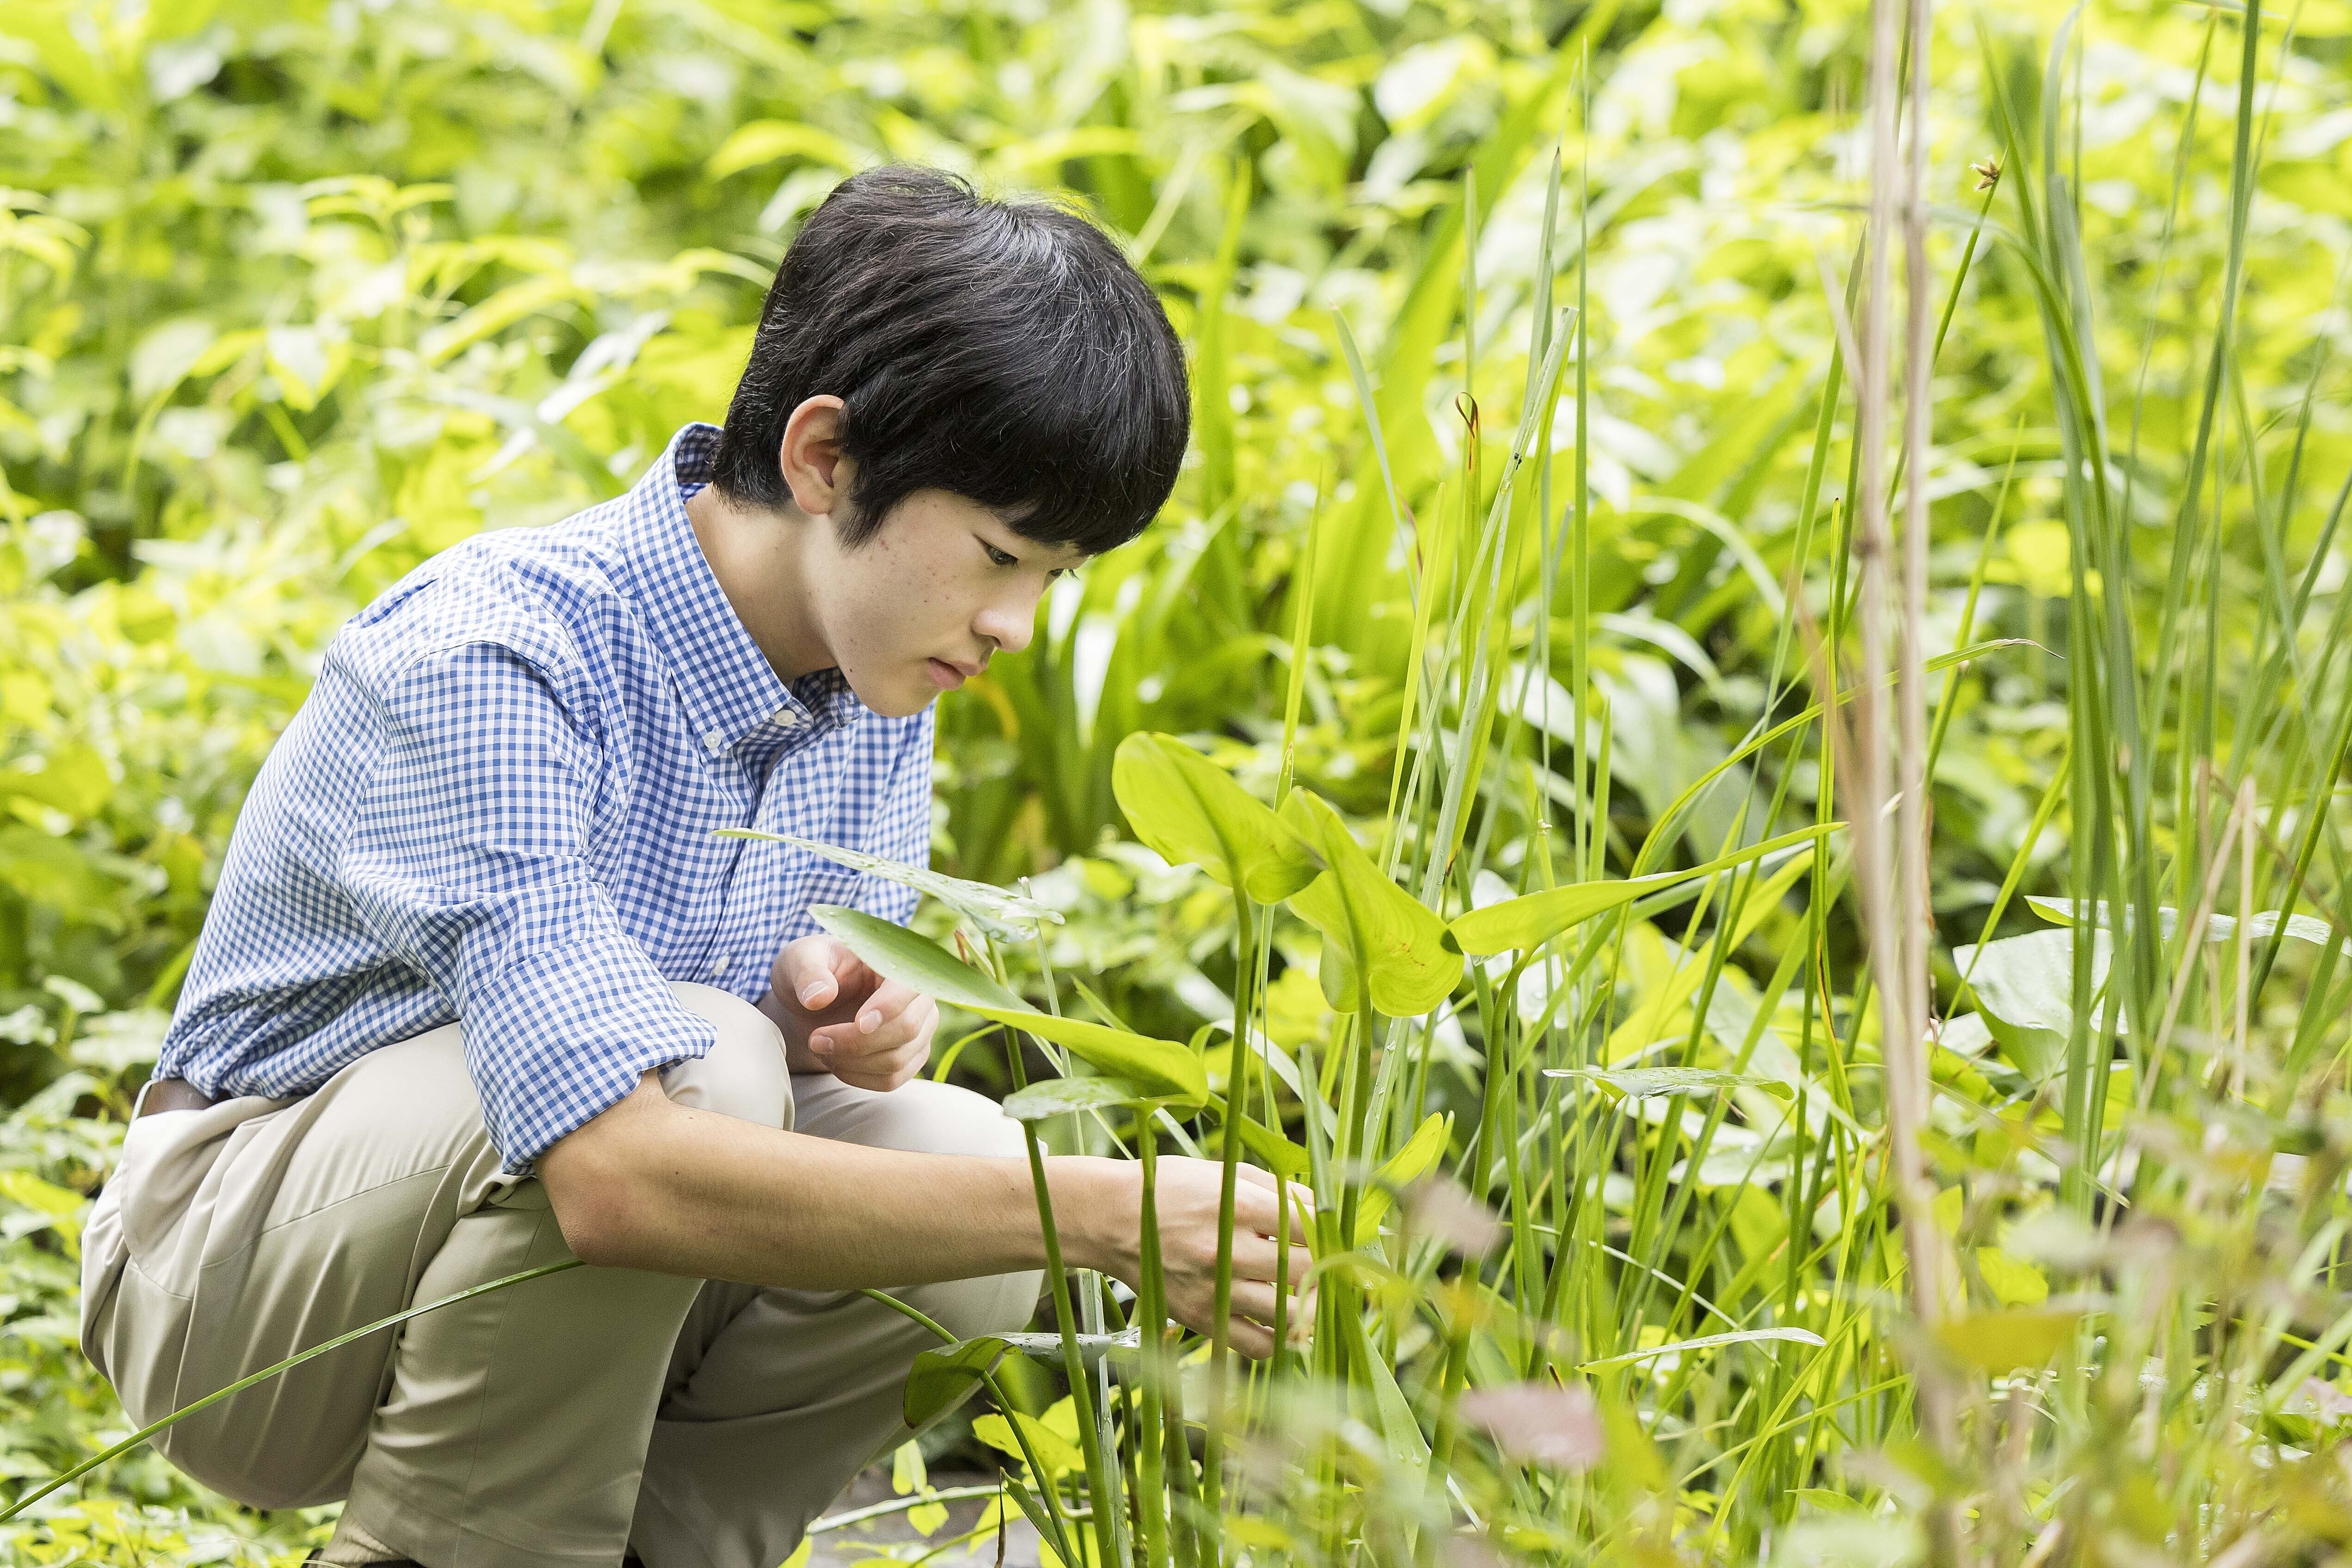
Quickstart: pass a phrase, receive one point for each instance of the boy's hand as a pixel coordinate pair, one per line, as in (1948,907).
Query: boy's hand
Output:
(839,1017)
(1189,1194)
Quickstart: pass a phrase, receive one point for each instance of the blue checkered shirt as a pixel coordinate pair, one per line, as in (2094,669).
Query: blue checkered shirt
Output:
(495,809)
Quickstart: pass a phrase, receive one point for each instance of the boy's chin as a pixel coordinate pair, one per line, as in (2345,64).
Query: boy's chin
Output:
(892,699)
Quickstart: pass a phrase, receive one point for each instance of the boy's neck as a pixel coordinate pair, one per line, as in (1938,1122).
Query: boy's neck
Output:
(757,555)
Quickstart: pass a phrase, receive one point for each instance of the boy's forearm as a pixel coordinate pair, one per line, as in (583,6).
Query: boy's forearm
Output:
(657,1186)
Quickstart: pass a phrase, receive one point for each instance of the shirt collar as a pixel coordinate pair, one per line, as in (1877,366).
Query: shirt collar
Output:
(727,685)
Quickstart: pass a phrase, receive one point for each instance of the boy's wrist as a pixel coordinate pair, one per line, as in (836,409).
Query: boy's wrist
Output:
(1097,1209)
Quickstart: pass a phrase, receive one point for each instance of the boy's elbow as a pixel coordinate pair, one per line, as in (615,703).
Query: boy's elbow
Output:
(597,1224)
(592,1186)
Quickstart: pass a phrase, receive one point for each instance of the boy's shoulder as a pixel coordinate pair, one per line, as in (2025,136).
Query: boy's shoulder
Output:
(547,593)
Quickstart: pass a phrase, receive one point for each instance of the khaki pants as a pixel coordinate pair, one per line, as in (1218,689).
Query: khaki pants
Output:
(703,1424)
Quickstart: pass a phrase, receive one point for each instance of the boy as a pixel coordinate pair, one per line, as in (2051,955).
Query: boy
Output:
(480,991)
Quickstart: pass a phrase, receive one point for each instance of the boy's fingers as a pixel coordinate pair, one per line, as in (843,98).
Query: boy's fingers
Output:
(888,1057)
(892,999)
(1255,1299)
(1255,1207)
(896,1032)
(1252,1340)
(808,970)
(883,1074)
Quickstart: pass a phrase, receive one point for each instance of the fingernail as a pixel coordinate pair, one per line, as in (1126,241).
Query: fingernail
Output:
(812,991)
(821,1044)
(869,1022)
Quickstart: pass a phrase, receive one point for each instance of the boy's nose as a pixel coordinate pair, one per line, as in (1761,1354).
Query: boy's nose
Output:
(1008,626)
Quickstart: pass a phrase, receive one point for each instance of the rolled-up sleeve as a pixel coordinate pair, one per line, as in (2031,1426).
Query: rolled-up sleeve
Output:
(465,859)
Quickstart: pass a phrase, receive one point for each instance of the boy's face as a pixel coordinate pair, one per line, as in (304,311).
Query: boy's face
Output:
(941,587)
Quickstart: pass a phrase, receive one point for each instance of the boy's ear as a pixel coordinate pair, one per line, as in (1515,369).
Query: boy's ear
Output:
(809,456)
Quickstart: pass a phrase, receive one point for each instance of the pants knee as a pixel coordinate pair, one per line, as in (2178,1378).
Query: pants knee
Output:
(959,1122)
(744,1075)
(994,1303)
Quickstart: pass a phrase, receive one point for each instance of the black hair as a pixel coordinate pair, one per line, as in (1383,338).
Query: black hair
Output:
(1005,351)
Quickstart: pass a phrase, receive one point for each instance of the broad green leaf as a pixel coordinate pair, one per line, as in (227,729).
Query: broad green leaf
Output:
(1162,1069)
(891,949)
(1060,1096)
(1400,1433)
(2014,1281)
(1005,915)
(1385,936)
(1056,1453)
(1407,1166)
(1528,922)
(2024,988)
(166,353)
(1188,809)
(2217,928)
(1641,1082)
(1283,1157)
(2014,1337)
(944,1377)
(71,779)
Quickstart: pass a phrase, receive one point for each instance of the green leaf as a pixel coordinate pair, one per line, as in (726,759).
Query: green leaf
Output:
(1400,1433)
(2014,1281)
(2217,928)
(944,1377)
(2001,1341)
(1160,1068)
(891,949)
(1060,1096)
(1189,809)
(1385,936)
(1005,915)
(1407,1166)
(1641,1082)
(71,779)
(2024,988)
(1531,920)
(1057,1453)
(1283,1157)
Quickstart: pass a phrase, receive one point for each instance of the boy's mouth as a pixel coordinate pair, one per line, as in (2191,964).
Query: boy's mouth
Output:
(944,675)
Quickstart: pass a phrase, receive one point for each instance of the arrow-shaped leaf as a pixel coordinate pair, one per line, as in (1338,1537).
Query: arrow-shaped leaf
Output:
(1401,1170)
(1162,1069)
(1060,1096)
(1386,937)
(1529,922)
(1007,917)
(943,1378)
(1189,808)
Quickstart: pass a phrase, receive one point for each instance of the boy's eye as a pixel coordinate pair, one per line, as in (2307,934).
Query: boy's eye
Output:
(998,557)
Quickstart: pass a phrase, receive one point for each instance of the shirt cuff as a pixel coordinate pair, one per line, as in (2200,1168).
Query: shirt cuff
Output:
(555,1039)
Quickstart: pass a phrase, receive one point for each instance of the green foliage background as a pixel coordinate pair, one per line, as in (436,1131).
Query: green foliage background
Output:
(293,295)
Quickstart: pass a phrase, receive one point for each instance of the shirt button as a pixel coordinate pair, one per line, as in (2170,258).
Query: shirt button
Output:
(714,742)
(785,718)
(720,968)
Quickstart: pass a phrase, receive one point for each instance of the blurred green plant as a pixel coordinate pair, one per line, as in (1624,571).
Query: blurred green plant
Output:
(1521,531)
